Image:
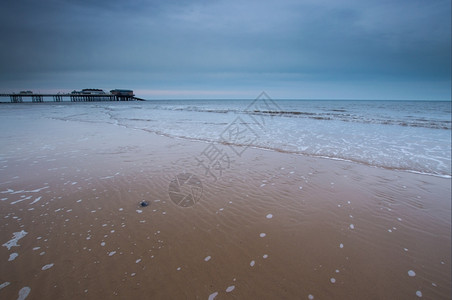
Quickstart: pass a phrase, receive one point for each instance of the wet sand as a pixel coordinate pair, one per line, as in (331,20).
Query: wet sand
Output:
(272,226)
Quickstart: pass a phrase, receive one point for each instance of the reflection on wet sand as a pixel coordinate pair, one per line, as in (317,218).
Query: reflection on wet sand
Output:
(274,226)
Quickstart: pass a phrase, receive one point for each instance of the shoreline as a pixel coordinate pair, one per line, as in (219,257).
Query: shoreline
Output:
(434,164)
(205,141)
(273,225)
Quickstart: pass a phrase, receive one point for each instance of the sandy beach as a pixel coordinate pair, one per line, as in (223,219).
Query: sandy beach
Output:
(272,225)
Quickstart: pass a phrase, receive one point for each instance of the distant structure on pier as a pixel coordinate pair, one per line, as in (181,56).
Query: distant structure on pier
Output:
(118,92)
(85,95)
(89,92)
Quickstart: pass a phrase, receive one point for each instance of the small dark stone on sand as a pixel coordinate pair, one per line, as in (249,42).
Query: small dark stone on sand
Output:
(144,203)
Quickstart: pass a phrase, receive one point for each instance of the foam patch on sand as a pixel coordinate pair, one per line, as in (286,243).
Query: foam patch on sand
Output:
(15,239)
(48,266)
(4,284)
(23,293)
(36,200)
(12,256)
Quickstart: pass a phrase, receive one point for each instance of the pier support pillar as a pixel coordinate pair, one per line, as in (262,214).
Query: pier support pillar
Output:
(16,98)
(37,98)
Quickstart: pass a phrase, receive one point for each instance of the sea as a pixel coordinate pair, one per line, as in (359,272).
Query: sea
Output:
(411,136)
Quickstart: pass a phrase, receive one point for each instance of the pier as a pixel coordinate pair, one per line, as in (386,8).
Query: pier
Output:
(87,95)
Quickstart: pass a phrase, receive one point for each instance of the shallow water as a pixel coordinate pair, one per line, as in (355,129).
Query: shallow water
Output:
(405,135)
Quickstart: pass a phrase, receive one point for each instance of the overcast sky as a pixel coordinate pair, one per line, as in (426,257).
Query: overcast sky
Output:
(306,49)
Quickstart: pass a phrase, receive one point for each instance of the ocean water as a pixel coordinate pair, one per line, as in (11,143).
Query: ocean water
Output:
(412,136)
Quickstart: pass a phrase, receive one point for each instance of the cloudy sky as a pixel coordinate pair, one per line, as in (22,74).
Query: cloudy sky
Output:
(305,49)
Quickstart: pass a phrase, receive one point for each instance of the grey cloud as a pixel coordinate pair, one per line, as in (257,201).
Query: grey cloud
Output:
(196,41)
